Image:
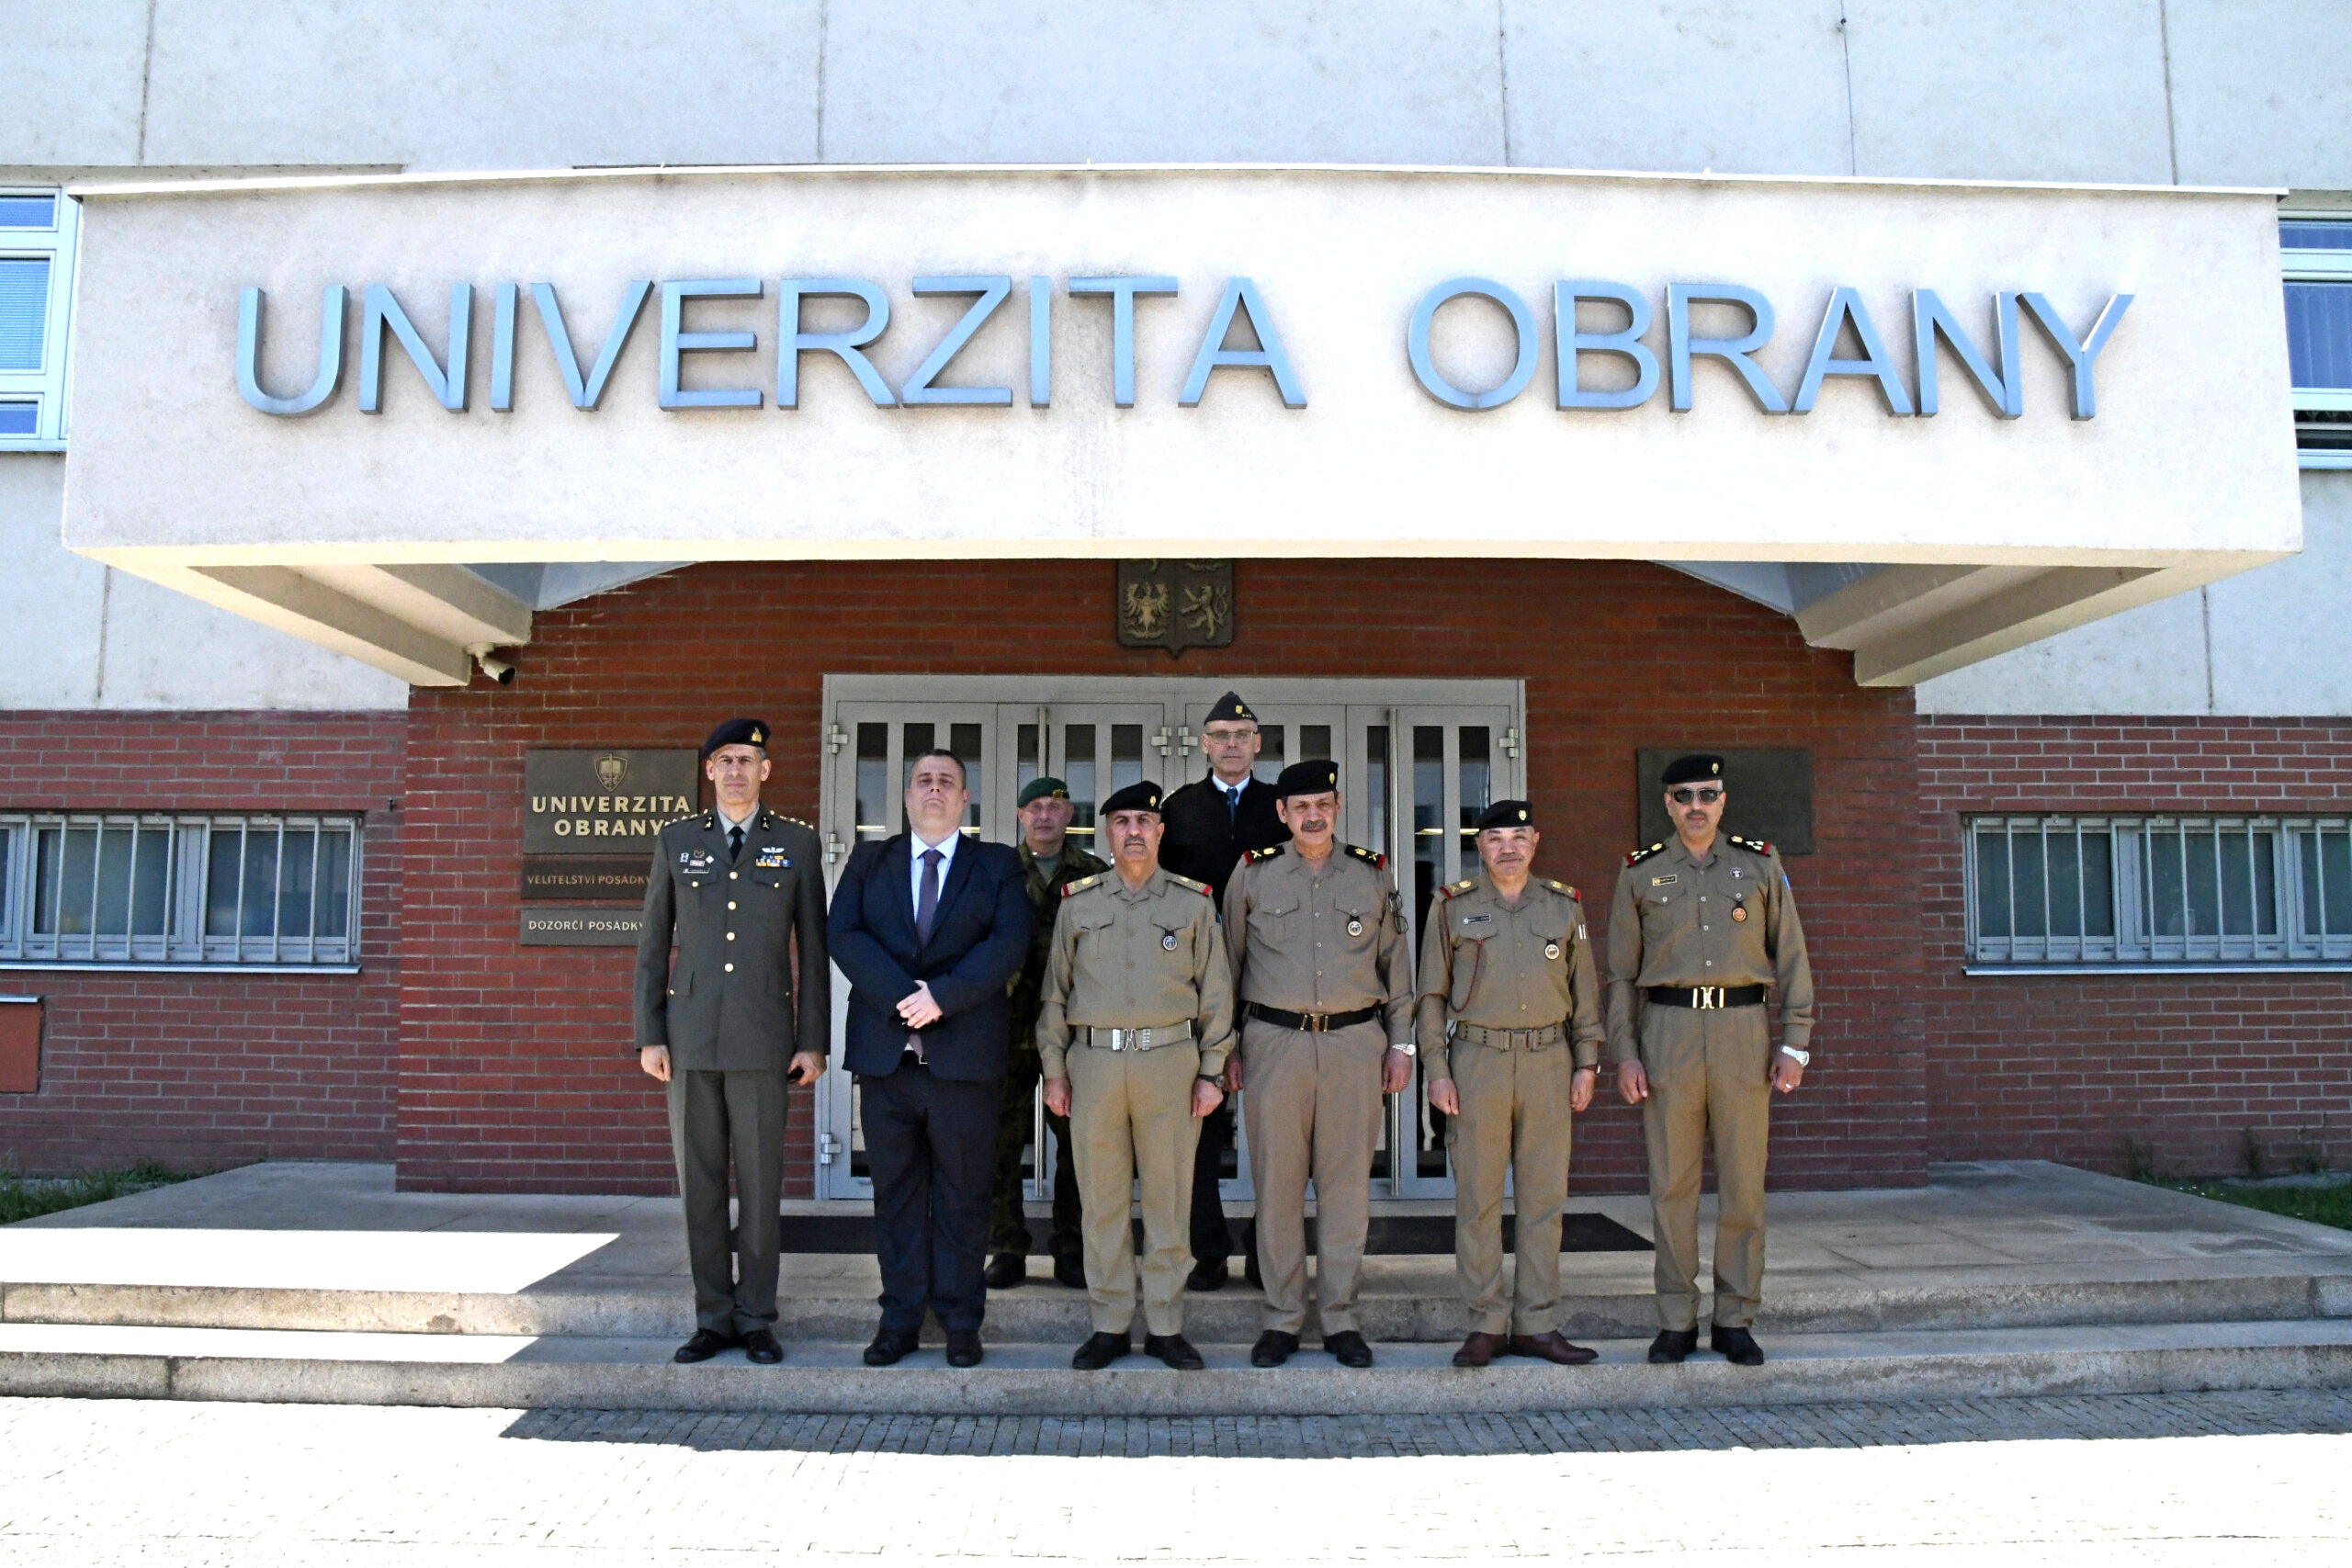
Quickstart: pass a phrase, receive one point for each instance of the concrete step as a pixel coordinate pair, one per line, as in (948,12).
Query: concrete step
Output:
(1398,1304)
(596,1372)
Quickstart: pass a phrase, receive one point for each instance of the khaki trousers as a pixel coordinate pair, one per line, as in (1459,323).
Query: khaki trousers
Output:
(1130,1119)
(1707,1073)
(1514,1122)
(1311,1107)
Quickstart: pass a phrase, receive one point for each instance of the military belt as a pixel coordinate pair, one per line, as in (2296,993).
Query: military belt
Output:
(1510,1039)
(1706,999)
(1149,1039)
(1313,1022)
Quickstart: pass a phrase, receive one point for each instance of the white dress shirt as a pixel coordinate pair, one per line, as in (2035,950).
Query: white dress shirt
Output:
(947,848)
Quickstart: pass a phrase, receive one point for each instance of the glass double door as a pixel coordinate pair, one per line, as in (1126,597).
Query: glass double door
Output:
(1413,775)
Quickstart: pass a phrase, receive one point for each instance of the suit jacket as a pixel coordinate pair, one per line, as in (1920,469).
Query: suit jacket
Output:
(726,1005)
(1205,839)
(977,941)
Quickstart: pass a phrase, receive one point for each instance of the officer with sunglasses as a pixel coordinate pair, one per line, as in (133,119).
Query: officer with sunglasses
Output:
(1701,929)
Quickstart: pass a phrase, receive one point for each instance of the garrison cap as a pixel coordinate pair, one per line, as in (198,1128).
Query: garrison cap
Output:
(1320,776)
(1230,709)
(737,732)
(1698,767)
(1144,796)
(1042,786)
(1506,814)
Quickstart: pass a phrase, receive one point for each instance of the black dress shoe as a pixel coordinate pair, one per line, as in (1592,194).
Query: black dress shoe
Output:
(761,1349)
(963,1346)
(1672,1345)
(1209,1274)
(891,1347)
(1273,1347)
(1348,1349)
(1100,1350)
(1005,1270)
(1071,1270)
(706,1343)
(1174,1349)
(1736,1345)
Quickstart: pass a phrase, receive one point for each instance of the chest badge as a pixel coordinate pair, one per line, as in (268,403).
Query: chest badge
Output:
(1739,872)
(1355,925)
(1740,912)
(1667,881)
(1168,941)
(773,858)
(1551,950)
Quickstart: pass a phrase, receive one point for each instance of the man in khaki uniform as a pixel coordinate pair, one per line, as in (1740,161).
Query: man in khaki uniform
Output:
(1050,862)
(1700,928)
(1136,1023)
(1317,937)
(1507,970)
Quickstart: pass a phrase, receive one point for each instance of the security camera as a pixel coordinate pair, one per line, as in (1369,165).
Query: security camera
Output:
(496,669)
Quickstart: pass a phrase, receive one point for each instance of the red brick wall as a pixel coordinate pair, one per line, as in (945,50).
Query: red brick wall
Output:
(201,1070)
(515,1070)
(2068,1067)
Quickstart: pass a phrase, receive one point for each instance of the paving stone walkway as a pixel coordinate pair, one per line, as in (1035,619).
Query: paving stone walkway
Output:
(2122,1480)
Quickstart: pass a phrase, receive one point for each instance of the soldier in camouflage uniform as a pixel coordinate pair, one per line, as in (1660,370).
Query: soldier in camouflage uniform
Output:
(1052,863)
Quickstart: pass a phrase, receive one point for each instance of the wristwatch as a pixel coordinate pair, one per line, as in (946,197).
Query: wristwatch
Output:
(1407,1048)
(1802,1058)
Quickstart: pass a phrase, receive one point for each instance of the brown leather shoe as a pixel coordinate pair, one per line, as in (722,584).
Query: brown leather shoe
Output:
(1553,1348)
(1479,1349)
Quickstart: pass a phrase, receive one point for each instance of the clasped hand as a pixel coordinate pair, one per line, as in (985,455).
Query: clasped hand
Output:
(920,1009)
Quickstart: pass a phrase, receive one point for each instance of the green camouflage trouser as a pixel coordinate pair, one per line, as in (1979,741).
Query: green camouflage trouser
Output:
(1008,1223)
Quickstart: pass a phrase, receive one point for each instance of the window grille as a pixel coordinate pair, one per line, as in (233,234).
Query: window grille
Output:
(179,890)
(2159,890)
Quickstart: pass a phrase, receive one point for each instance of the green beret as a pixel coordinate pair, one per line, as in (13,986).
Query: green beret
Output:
(1040,787)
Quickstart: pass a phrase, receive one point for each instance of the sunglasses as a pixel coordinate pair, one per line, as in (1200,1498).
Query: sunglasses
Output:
(1707,796)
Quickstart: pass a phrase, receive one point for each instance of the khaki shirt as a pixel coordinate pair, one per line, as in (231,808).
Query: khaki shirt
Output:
(1135,958)
(1332,942)
(1729,919)
(1499,966)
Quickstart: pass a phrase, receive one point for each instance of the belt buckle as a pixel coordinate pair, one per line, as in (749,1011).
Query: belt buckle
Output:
(1710,998)
(1119,1039)
(1315,1022)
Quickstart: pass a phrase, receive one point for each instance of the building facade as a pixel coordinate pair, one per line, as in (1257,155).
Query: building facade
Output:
(2042,683)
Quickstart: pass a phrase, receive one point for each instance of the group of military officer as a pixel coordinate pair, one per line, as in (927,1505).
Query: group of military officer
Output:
(1152,997)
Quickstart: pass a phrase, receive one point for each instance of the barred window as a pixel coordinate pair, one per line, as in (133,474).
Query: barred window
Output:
(2159,891)
(179,890)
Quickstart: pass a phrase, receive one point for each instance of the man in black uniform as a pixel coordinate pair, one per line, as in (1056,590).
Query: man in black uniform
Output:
(1211,824)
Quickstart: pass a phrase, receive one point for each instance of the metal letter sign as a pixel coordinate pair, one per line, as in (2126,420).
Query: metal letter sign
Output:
(1175,604)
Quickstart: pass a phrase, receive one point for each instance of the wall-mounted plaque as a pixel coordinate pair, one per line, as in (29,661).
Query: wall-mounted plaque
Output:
(1175,604)
(608,802)
(585,879)
(580,925)
(1767,795)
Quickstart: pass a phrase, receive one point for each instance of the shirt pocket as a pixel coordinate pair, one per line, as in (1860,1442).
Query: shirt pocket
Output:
(1279,916)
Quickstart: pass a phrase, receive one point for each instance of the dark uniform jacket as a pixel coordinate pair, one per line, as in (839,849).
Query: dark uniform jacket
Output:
(978,937)
(727,1004)
(1205,838)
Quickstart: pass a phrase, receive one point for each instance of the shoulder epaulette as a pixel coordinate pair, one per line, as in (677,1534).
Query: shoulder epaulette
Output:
(1269,852)
(1081,884)
(1638,856)
(1454,889)
(1564,888)
(773,816)
(1753,846)
(1379,862)
(1200,887)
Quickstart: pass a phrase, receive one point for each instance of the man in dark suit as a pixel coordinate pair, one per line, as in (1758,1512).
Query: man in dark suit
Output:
(931,928)
(1211,824)
(733,889)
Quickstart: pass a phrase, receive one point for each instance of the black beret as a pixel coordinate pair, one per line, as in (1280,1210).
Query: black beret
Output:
(1230,709)
(1702,765)
(1506,814)
(1319,777)
(1144,796)
(738,732)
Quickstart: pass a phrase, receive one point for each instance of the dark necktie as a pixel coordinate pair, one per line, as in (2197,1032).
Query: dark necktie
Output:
(735,839)
(927,906)
(1233,803)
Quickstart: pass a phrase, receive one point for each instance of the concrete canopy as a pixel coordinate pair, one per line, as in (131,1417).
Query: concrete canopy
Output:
(441,520)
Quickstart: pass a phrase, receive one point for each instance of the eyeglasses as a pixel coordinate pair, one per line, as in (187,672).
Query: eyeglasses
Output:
(1707,796)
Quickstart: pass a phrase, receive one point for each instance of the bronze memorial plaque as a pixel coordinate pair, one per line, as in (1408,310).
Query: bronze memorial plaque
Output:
(580,925)
(609,802)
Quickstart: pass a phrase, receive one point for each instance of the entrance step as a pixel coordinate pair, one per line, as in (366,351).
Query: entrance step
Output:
(1403,1300)
(621,1373)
